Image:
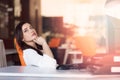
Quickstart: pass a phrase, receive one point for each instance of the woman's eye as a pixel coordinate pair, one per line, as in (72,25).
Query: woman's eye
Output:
(25,30)
(31,27)
(28,29)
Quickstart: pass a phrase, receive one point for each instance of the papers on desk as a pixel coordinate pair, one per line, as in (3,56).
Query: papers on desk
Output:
(116,58)
(116,68)
(109,64)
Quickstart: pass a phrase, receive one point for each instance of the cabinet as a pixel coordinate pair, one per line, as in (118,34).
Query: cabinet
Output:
(7,22)
(6,19)
(14,11)
(53,24)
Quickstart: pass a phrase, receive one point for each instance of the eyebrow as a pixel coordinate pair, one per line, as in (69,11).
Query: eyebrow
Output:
(29,26)
(25,28)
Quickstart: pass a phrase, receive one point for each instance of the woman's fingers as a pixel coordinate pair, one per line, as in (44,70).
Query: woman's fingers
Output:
(39,40)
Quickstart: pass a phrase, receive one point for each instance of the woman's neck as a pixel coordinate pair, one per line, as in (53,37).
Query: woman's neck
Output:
(31,43)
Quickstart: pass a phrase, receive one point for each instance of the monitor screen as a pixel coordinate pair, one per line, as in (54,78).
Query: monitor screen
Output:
(113,34)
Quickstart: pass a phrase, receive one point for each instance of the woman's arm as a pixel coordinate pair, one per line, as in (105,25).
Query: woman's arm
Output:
(46,49)
(31,57)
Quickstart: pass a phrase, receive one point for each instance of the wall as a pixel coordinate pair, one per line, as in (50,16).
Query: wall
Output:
(35,15)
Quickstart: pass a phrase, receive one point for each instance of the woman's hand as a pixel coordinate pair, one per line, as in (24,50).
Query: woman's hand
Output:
(46,49)
(39,40)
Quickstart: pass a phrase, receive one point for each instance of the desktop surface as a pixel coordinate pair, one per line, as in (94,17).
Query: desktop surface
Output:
(37,72)
(34,73)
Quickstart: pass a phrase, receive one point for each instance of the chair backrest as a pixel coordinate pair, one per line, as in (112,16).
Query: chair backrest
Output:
(20,53)
(54,42)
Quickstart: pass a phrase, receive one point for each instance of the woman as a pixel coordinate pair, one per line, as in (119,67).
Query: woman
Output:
(35,49)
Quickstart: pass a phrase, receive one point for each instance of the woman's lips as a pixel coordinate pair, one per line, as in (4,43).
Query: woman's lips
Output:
(34,34)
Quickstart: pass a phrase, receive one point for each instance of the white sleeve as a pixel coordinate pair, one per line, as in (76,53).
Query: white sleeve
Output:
(31,57)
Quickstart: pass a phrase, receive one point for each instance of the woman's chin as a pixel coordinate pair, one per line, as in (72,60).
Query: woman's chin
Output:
(34,37)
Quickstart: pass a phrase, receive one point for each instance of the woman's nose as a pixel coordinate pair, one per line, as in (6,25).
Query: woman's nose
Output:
(31,30)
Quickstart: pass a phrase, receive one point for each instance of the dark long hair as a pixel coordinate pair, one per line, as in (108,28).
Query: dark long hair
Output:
(18,34)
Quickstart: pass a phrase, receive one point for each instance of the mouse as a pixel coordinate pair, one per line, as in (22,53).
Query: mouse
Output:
(62,67)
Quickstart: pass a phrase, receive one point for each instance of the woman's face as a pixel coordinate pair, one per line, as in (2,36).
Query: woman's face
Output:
(29,33)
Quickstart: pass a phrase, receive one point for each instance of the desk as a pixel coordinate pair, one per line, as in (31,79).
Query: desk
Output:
(75,60)
(35,73)
(2,54)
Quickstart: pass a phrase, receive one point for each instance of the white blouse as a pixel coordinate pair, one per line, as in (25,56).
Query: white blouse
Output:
(31,57)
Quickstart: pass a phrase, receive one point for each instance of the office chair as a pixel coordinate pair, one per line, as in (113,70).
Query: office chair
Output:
(54,42)
(20,53)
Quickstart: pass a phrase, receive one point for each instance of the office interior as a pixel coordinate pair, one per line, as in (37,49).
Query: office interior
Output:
(72,28)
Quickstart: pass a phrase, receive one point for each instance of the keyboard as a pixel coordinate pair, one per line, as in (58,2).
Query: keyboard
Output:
(71,66)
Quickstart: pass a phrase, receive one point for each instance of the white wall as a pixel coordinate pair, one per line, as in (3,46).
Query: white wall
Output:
(58,7)
(52,7)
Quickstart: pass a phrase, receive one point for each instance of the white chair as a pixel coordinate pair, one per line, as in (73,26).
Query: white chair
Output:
(3,62)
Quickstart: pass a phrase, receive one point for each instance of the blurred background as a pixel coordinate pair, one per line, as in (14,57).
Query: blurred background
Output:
(64,23)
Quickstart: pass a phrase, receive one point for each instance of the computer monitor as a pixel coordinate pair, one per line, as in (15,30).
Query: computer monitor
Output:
(113,34)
